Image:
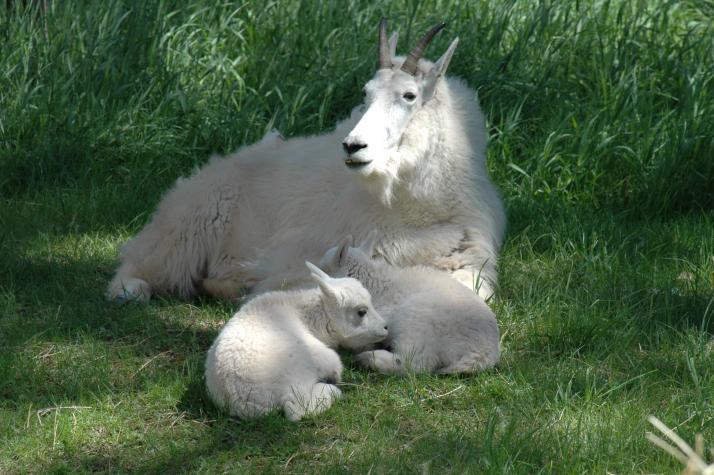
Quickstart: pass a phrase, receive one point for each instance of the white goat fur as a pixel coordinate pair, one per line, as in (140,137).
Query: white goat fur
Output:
(275,353)
(435,324)
(252,218)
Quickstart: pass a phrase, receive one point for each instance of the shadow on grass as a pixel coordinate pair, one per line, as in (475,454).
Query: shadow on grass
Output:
(64,343)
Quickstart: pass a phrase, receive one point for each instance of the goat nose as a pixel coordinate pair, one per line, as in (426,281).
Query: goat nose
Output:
(353,147)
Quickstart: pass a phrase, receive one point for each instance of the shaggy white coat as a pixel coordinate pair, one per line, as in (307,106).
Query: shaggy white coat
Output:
(276,352)
(436,325)
(252,218)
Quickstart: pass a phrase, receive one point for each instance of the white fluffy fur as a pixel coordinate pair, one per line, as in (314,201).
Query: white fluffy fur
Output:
(276,352)
(435,324)
(252,218)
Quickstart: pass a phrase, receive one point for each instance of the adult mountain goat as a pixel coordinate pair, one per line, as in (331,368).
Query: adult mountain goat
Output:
(409,162)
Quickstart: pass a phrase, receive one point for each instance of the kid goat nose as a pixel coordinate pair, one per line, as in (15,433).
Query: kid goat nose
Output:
(353,147)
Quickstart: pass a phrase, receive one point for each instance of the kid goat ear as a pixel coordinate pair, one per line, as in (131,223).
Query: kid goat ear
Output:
(317,273)
(342,249)
(322,279)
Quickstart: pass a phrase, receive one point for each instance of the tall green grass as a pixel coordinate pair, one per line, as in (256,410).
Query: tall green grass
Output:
(605,101)
(600,115)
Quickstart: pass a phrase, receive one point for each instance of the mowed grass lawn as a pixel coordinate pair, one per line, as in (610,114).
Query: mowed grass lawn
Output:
(601,118)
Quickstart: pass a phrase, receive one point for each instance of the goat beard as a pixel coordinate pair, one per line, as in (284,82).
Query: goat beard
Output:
(381,183)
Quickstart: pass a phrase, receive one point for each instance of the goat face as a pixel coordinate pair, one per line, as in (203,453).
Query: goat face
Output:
(396,92)
(391,98)
(353,321)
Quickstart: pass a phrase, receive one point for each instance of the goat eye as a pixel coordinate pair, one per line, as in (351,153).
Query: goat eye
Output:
(364,92)
(362,312)
(410,96)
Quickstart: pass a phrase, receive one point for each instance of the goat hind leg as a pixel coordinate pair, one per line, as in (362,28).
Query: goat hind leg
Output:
(224,281)
(382,361)
(310,400)
(126,287)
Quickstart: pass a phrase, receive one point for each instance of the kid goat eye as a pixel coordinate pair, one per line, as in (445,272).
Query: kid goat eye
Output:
(410,96)
(362,312)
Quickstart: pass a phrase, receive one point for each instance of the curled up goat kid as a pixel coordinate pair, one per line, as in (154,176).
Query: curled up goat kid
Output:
(277,351)
(410,162)
(435,324)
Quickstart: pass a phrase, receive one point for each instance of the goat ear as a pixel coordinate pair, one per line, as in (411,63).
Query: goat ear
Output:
(338,260)
(322,279)
(438,70)
(316,271)
(393,44)
(368,244)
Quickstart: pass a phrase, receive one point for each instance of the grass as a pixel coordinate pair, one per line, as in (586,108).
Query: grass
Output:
(600,116)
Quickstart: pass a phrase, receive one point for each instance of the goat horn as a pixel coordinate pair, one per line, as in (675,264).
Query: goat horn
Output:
(385,60)
(410,65)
